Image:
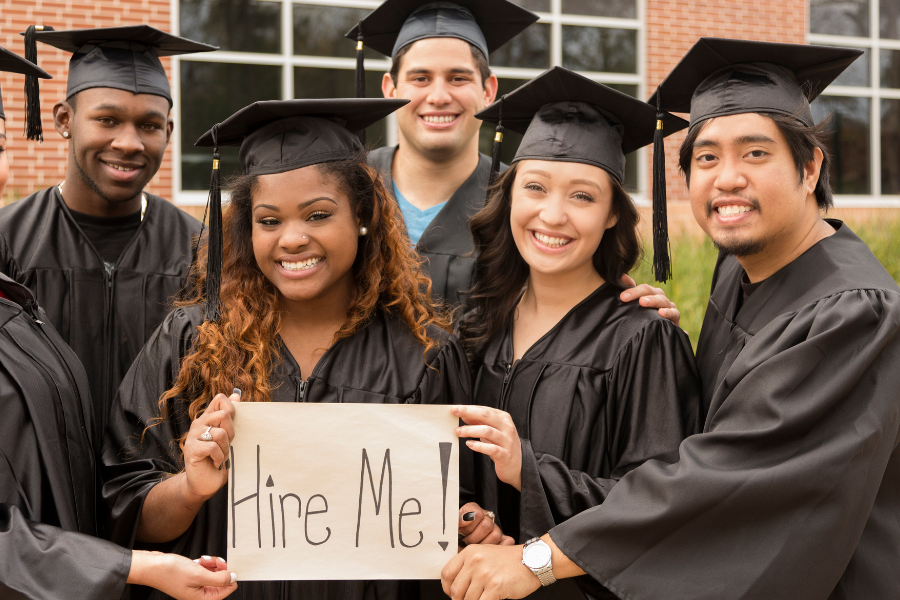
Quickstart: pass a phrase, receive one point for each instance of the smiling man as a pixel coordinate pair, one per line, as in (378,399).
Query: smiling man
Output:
(436,173)
(792,490)
(103,257)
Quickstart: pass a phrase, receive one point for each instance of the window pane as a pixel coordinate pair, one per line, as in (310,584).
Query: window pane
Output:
(848,143)
(890,68)
(858,72)
(624,9)
(890,19)
(599,49)
(211,92)
(890,146)
(839,17)
(312,82)
(529,49)
(237,25)
(319,31)
(535,5)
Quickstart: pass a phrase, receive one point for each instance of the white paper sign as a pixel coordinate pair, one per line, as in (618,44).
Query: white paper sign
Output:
(342,491)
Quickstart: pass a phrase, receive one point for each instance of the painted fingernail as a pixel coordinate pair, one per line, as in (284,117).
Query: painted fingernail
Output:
(220,558)
(197,560)
(233,577)
(237,391)
(206,557)
(221,464)
(227,463)
(461,542)
(469,516)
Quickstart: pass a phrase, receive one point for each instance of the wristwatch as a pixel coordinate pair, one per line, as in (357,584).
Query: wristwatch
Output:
(536,556)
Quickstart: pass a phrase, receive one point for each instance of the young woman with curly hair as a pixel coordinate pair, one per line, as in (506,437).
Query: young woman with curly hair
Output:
(321,300)
(577,387)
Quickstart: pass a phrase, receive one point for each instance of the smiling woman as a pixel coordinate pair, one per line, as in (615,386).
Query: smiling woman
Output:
(321,300)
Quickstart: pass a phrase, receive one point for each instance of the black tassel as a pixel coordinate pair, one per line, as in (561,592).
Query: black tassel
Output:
(33,128)
(360,76)
(662,265)
(214,254)
(498,140)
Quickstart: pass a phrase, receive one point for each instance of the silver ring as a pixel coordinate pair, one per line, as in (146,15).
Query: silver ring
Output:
(206,436)
(489,514)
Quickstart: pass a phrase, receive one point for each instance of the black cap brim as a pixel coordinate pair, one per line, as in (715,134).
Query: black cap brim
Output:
(13,63)
(165,44)
(355,113)
(558,84)
(499,21)
(815,67)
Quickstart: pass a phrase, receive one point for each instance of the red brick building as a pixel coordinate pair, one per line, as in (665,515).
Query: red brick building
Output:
(275,49)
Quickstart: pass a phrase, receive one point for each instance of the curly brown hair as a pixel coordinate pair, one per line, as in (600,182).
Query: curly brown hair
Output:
(501,272)
(239,350)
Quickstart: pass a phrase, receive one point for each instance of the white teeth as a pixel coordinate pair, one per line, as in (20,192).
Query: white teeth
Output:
(118,168)
(430,119)
(301,266)
(732,210)
(553,242)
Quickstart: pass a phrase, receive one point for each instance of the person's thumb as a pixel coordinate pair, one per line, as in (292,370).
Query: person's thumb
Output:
(236,395)
(217,579)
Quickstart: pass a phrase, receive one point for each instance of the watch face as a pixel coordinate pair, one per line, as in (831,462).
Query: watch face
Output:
(536,556)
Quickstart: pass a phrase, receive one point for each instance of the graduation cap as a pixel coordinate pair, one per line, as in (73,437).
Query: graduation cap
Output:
(564,116)
(13,63)
(276,136)
(124,58)
(486,24)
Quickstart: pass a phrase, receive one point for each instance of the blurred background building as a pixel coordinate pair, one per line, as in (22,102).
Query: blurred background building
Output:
(280,49)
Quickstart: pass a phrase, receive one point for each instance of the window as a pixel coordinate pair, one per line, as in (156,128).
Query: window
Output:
(864,102)
(280,49)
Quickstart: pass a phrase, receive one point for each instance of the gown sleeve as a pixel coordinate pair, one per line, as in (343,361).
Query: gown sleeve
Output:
(41,561)
(132,463)
(772,500)
(653,394)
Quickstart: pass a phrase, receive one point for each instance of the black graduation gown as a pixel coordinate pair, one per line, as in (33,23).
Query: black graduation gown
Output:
(446,244)
(609,387)
(793,489)
(104,316)
(47,466)
(381,364)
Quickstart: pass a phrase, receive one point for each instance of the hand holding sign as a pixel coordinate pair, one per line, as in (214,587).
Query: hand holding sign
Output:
(342,491)
(203,459)
(498,439)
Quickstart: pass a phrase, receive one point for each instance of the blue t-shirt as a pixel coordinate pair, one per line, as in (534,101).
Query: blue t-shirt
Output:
(417,221)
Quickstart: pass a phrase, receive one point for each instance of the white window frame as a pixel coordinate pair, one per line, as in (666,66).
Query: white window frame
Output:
(873,44)
(555,18)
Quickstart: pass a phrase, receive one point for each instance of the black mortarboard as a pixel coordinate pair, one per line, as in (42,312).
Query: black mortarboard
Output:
(567,117)
(719,77)
(276,136)
(124,58)
(486,24)
(13,63)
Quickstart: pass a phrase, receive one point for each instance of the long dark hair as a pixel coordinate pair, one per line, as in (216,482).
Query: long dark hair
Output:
(501,272)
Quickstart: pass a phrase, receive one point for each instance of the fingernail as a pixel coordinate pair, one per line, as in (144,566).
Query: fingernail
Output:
(206,557)
(227,463)
(461,542)
(197,560)
(238,392)
(626,297)
(220,558)
(233,577)
(221,464)
(469,516)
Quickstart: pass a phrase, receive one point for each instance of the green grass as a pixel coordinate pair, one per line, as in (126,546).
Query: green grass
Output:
(693,260)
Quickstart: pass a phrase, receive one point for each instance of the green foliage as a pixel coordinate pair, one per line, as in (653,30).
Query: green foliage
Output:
(693,259)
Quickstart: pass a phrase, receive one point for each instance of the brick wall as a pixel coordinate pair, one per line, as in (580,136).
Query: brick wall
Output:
(34,166)
(672,28)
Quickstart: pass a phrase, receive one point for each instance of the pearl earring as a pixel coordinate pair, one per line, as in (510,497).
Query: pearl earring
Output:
(66,134)
(363,231)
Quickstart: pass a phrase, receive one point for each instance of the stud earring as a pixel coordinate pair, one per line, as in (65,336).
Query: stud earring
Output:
(304,237)
(363,231)
(66,134)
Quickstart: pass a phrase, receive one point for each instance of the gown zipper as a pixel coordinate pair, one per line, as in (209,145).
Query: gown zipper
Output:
(303,384)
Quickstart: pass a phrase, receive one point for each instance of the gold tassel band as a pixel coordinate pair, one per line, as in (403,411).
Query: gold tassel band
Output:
(359,45)
(216,164)
(38,27)
(659,124)
(498,137)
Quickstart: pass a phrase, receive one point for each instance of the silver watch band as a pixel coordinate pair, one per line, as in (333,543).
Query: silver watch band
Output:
(546,575)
